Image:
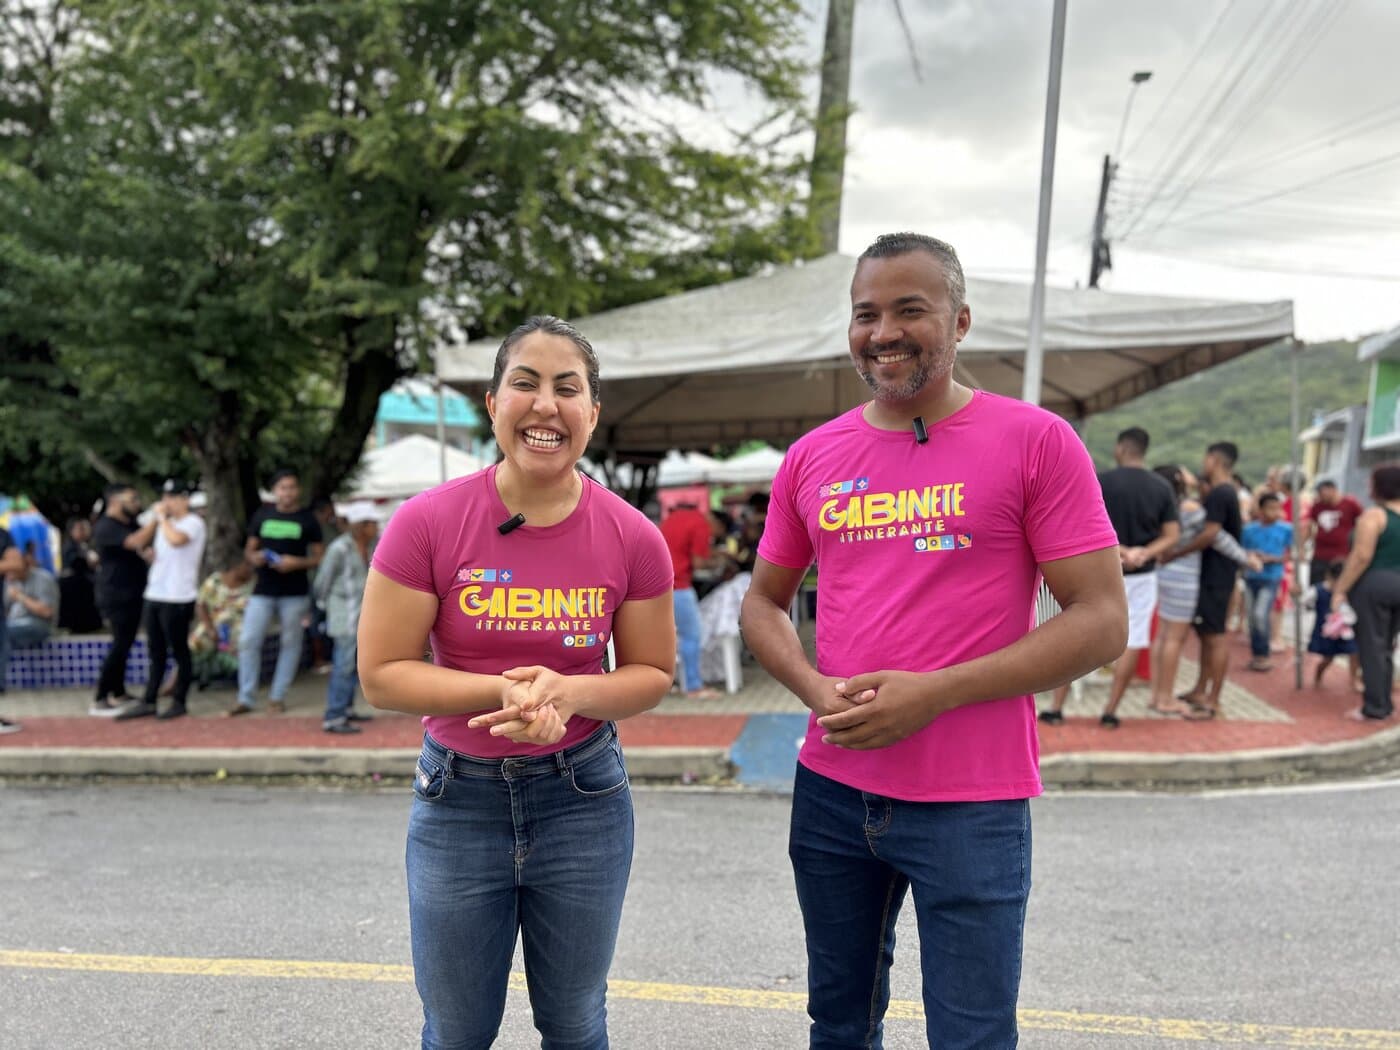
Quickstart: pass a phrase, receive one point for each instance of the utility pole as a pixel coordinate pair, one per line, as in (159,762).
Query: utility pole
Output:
(828,169)
(1099,257)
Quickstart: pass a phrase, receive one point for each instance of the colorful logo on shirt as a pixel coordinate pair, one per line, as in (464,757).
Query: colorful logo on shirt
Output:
(466,575)
(838,488)
(857,515)
(583,641)
(952,541)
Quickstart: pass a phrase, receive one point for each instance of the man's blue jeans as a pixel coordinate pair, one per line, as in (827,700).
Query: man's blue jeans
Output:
(539,847)
(688,635)
(1261,594)
(855,855)
(256,619)
(28,634)
(345,676)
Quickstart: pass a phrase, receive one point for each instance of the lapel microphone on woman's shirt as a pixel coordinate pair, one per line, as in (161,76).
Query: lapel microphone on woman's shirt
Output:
(920,431)
(510,524)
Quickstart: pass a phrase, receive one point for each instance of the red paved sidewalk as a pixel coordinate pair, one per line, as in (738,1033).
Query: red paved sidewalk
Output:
(1317,720)
(292,731)
(1317,717)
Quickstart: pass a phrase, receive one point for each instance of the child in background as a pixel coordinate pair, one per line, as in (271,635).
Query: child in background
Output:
(1324,644)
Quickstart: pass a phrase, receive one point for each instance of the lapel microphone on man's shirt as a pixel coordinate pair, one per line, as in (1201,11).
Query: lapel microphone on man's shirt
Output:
(920,431)
(511,524)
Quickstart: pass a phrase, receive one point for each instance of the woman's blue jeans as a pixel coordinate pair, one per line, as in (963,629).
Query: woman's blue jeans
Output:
(855,855)
(538,846)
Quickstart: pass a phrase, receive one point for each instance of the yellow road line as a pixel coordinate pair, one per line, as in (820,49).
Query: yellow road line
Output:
(1216,1033)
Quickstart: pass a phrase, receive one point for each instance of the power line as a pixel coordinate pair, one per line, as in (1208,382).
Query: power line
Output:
(1368,122)
(1183,154)
(1285,65)
(1185,75)
(1266,265)
(1355,169)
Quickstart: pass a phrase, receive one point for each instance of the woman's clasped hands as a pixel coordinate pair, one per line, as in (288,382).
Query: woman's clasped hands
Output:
(536,704)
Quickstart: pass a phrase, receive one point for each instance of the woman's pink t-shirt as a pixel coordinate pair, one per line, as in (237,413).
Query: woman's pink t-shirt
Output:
(536,595)
(928,556)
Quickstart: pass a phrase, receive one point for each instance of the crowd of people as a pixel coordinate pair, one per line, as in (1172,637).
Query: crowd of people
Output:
(1210,555)
(142,568)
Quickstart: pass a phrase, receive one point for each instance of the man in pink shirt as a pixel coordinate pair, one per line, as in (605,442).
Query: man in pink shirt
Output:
(933,510)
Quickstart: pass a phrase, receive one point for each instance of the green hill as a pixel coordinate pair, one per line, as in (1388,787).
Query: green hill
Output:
(1245,401)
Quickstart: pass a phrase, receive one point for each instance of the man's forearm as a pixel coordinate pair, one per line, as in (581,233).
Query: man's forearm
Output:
(1065,647)
(773,640)
(1158,547)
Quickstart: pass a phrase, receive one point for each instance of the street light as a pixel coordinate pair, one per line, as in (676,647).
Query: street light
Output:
(1099,256)
(1140,77)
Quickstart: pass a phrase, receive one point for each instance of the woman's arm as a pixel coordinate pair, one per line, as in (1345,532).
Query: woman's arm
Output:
(1225,544)
(394,625)
(1363,548)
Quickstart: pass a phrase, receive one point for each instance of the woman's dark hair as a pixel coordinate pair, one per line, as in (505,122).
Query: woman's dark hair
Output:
(1172,475)
(549,325)
(1385,482)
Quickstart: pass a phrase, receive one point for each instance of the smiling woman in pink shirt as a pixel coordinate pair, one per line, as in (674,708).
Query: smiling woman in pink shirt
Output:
(517,577)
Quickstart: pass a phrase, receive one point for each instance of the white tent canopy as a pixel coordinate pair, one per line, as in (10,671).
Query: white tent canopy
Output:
(749,468)
(766,356)
(684,468)
(408,466)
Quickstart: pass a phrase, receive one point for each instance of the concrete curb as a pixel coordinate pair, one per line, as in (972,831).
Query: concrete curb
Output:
(1125,769)
(684,764)
(707,764)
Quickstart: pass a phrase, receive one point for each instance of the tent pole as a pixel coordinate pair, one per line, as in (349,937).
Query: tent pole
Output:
(1035,351)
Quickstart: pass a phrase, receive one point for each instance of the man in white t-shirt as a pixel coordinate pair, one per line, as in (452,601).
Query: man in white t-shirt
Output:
(171,588)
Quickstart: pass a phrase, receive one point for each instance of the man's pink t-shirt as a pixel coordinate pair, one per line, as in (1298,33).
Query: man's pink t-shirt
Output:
(928,556)
(536,595)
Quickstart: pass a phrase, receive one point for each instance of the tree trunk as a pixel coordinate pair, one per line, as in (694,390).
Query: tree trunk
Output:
(828,169)
(218,451)
(367,378)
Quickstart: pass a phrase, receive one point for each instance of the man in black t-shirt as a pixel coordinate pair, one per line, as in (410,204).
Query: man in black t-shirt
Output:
(284,542)
(11,560)
(1222,505)
(1142,508)
(122,546)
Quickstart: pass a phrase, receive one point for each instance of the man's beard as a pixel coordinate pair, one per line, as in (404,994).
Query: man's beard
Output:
(924,370)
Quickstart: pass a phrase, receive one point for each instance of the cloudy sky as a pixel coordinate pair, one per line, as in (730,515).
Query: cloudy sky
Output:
(1261,161)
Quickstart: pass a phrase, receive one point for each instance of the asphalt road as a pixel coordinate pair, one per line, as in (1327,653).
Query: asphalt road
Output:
(227,916)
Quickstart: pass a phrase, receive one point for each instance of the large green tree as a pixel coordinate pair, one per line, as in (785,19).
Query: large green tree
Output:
(236,225)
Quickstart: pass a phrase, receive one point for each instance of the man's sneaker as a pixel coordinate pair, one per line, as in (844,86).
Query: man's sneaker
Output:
(355,716)
(238,709)
(135,709)
(6,726)
(173,711)
(276,707)
(103,708)
(340,727)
